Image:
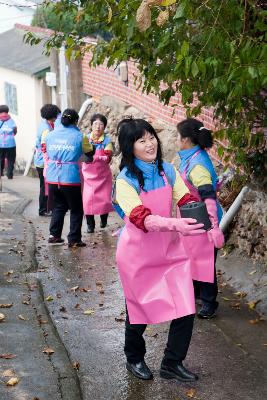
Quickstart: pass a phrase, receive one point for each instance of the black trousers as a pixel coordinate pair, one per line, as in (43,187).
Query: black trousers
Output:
(10,154)
(206,291)
(90,219)
(179,338)
(66,198)
(42,196)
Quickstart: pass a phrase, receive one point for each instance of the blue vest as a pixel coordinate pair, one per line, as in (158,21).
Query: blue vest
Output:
(101,145)
(7,133)
(38,155)
(202,159)
(152,179)
(64,149)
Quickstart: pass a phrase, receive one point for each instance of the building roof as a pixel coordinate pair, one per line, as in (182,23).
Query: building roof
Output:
(19,56)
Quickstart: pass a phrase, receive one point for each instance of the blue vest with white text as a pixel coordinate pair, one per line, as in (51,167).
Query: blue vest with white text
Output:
(7,133)
(64,149)
(38,156)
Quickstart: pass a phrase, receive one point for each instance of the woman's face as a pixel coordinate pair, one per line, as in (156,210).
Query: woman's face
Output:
(146,147)
(98,128)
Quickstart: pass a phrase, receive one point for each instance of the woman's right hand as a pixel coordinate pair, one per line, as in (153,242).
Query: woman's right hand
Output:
(186,226)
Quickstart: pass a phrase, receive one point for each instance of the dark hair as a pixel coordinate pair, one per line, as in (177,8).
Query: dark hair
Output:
(101,118)
(4,109)
(195,131)
(49,111)
(69,117)
(129,131)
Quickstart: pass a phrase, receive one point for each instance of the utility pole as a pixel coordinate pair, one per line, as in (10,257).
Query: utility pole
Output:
(63,79)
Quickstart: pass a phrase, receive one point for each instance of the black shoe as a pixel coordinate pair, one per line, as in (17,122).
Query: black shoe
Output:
(140,370)
(208,311)
(54,241)
(176,370)
(90,229)
(10,177)
(77,244)
(103,224)
(45,214)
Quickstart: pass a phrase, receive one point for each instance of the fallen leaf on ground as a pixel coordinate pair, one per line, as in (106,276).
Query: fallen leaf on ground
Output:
(226,299)
(254,321)
(89,312)
(76,365)
(235,306)
(2,317)
(49,298)
(22,317)
(25,302)
(101,304)
(8,305)
(252,272)
(63,309)
(191,393)
(48,350)
(12,381)
(119,319)
(240,294)
(74,288)
(77,305)
(85,290)
(252,304)
(9,272)
(8,373)
(7,356)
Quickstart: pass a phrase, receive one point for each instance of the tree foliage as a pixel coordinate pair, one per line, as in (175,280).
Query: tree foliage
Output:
(212,50)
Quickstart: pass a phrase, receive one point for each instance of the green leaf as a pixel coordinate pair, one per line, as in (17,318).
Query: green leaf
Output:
(180,11)
(185,48)
(194,69)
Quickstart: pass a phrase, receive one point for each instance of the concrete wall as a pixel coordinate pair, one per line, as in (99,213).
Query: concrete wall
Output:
(29,100)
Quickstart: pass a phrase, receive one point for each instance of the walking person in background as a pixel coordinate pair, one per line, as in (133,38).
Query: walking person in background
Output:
(64,147)
(153,265)
(97,177)
(49,114)
(200,177)
(8,130)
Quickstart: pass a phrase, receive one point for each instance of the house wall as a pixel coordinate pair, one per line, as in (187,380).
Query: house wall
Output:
(29,101)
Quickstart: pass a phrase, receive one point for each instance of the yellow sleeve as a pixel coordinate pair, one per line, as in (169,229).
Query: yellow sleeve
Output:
(44,134)
(179,188)
(109,147)
(126,196)
(200,176)
(87,147)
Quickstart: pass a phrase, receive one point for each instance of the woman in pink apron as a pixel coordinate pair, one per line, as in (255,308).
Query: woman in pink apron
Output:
(153,265)
(200,177)
(97,177)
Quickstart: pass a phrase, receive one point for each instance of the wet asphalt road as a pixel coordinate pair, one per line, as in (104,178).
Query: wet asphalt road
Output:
(85,301)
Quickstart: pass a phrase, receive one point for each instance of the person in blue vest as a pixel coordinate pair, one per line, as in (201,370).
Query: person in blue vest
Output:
(64,147)
(49,114)
(199,175)
(8,130)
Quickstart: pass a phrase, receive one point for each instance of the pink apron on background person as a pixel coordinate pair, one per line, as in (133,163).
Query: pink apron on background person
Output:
(154,267)
(198,247)
(97,186)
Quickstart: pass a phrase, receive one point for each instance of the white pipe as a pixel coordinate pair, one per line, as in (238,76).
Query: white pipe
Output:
(84,108)
(229,216)
(63,78)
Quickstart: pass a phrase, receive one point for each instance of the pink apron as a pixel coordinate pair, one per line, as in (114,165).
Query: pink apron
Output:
(154,268)
(97,186)
(199,248)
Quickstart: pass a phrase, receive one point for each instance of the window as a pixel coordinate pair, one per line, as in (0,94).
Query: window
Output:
(11,97)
